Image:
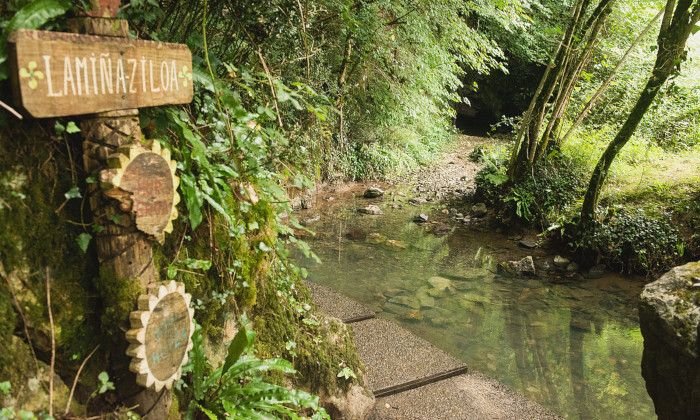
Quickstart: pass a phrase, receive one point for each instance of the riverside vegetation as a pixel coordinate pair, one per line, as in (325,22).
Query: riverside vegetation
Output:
(594,103)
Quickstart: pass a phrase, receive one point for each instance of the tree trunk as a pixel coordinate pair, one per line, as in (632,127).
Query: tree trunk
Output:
(671,41)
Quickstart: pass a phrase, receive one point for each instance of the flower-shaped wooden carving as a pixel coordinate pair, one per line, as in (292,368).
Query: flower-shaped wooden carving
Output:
(161,335)
(143,180)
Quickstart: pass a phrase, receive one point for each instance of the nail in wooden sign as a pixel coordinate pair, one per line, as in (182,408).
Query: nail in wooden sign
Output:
(58,74)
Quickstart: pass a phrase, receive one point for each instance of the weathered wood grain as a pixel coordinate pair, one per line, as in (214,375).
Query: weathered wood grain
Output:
(58,74)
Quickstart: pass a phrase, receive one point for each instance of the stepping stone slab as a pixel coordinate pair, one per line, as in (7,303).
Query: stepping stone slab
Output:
(395,358)
(338,305)
(467,396)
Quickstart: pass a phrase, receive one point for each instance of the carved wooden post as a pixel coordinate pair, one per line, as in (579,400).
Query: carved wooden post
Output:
(125,254)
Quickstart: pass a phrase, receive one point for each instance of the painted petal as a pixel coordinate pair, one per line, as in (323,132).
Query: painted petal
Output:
(32,83)
(31,65)
(23,72)
(39,74)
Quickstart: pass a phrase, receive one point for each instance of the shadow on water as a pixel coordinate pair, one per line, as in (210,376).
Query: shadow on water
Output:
(574,347)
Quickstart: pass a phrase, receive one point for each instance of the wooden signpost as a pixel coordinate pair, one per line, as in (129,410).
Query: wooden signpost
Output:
(63,74)
(107,75)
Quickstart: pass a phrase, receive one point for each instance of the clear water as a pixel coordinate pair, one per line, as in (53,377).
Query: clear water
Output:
(574,347)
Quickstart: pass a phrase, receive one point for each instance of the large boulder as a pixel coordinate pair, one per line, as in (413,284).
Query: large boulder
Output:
(669,315)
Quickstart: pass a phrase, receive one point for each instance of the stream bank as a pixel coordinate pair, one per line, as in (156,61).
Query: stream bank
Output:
(567,342)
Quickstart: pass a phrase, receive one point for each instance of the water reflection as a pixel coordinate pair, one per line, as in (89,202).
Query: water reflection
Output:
(575,347)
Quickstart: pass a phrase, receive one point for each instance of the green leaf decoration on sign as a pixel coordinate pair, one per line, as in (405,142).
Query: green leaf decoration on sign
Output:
(185,75)
(31,74)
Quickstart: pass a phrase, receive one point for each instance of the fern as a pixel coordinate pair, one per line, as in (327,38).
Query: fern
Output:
(238,388)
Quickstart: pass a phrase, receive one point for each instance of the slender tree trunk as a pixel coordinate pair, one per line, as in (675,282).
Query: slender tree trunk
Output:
(604,86)
(671,41)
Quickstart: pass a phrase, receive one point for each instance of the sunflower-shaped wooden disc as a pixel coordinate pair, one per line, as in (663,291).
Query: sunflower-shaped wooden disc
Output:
(143,180)
(160,335)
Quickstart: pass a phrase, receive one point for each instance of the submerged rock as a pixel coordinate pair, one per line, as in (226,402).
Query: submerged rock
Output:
(371,209)
(417,201)
(479,210)
(373,192)
(561,262)
(394,243)
(409,301)
(527,243)
(440,283)
(596,272)
(523,267)
(376,238)
(669,315)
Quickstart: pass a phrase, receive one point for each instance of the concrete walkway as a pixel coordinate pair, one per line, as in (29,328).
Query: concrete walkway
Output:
(412,379)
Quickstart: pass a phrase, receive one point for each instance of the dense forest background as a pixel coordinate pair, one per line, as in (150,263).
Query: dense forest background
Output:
(292,94)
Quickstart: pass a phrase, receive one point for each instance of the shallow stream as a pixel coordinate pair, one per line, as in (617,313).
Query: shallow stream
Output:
(574,346)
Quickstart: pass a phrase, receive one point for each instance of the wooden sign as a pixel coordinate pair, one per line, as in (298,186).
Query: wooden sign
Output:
(160,335)
(58,74)
(143,181)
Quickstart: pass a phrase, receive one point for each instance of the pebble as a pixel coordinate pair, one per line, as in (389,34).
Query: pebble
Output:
(371,209)
(421,218)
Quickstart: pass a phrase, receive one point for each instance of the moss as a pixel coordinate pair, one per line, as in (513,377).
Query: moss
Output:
(322,349)
(37,240)
(118,297)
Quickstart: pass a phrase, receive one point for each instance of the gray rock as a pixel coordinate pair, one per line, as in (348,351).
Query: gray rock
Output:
(523,267)
(669,315)
(373,192)
(421,218)
(596,272)
(371,209)
(479,210)
(417,201)
(527,243)
(561,262)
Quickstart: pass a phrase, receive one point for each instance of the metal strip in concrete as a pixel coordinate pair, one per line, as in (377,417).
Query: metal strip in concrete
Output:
(396,360)
(469,396)
(338,305)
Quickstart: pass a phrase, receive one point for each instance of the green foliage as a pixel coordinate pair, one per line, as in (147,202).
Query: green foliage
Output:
(31,16)
(635,242)
(104,383)
(239,388)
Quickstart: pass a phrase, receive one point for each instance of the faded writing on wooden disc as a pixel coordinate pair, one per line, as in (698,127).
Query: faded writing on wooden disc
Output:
(160,335)
(144,181)
(167,334)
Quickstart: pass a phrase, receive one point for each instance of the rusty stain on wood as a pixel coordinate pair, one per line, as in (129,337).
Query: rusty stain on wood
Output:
(59,74)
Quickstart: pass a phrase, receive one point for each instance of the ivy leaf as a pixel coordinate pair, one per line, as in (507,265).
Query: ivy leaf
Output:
(346,373)
(59,128)
(105,383)
(172,272)
(83,241)
(5,387)
(74,192)
(71,128)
